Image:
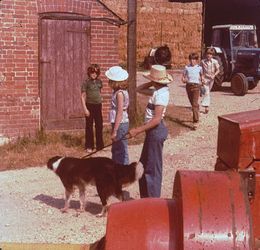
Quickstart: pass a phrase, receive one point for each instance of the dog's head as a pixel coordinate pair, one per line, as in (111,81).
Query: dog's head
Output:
(54,162)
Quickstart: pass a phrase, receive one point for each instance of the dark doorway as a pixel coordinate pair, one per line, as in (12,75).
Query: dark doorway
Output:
(218,12)
(230,12)
(64,57)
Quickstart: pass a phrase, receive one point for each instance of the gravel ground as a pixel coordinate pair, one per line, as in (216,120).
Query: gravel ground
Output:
(31,198)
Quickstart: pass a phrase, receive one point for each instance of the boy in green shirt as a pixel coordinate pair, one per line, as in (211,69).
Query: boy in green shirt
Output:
(92,105)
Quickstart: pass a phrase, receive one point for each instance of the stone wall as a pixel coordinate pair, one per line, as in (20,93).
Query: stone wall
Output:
(159,22)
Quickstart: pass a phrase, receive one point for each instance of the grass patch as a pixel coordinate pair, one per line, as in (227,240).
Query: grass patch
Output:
(35,150)
(31,151)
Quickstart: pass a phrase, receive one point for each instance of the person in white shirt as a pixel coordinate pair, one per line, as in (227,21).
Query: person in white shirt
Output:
(210,68)
(156,131)
(192,77)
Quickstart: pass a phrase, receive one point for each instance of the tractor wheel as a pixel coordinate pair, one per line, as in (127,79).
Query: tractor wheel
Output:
(239,84)
(220,76)
(252,84)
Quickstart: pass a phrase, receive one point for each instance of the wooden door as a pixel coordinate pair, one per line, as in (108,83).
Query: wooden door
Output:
(64,57)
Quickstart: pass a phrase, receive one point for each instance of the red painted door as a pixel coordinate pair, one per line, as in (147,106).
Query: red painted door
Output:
(64,57)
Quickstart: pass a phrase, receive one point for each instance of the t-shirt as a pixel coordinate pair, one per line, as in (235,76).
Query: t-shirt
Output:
(193,73)
(160,97)
(92,89)
(112,113)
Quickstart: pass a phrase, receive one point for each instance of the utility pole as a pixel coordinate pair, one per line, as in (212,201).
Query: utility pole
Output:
(131,55)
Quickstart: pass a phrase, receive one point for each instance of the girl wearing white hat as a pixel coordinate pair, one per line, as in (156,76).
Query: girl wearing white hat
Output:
(156,131)
(118,115)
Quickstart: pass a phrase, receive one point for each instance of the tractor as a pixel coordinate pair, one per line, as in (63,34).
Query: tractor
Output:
(237,52)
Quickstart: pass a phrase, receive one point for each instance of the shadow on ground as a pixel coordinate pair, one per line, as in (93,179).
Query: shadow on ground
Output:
(178,119)
(58,203)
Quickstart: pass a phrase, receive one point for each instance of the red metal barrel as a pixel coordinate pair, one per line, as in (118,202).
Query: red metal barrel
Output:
(142,224)
(209,210)
(215,210)
(239,149)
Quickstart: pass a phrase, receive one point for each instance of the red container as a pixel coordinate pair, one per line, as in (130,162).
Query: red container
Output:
(239,139)
(209,211)
(239,149)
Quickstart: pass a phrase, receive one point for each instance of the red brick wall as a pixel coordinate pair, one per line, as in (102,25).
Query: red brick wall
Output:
(19,74)
(159,22)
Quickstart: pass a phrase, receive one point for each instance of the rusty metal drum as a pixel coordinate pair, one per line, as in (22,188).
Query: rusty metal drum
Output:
(238,140)
(209,211)
(239,149)
(214,209)
(142,224)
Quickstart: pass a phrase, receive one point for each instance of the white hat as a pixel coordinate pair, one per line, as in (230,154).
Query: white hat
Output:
(116,73)
(158,74)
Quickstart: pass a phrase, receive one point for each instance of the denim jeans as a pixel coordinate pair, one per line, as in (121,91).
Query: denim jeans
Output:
(151,158)
(120,148)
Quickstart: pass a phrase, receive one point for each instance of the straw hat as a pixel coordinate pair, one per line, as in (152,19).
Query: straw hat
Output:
(116,73)
(158,74)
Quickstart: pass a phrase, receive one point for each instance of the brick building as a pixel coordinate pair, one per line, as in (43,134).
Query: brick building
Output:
(45,48)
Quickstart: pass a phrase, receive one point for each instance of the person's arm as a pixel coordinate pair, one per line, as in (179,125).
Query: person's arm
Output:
(83,102)
(151,124)
(184,76)
(119,113)
(202,73)
(145,89)
(202,77)
(101,85)
(216,70)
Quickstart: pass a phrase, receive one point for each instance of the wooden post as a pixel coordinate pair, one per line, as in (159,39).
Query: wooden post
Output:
(203,27)
(131,56)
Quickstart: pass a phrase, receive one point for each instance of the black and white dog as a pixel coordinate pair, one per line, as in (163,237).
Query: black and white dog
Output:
(104,173)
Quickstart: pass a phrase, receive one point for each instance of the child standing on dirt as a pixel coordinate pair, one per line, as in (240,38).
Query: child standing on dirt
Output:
(210,68)
(92,105)
(118,115)
(155,129)
(192,77)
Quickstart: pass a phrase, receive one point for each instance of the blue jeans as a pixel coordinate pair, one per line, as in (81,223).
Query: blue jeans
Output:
(151,158)
(120,148)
